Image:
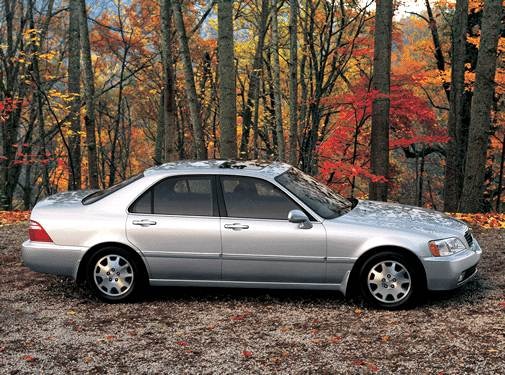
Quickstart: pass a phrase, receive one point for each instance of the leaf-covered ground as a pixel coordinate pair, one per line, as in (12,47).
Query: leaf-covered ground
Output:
(49,325)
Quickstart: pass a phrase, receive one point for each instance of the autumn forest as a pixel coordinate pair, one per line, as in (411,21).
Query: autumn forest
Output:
(384,100)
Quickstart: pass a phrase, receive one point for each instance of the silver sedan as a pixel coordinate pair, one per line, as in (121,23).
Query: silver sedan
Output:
(246,224)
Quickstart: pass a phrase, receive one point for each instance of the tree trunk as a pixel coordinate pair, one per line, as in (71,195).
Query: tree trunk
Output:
(73,90)
(499,189)
(254,81)
(194,103)
(454,164)
(169,108)
(482,101)
(160,134)
(439,54)
(227,80)
(379,158)
(89,96)
(293,81)
(277,83)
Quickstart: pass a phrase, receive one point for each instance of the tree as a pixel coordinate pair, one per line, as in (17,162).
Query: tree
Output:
(89,96)
(254,82)
(227,80)
(277,83)
(74,92)
(379,153)
(193,101)
(169,114)
(293,81)
(455,148)
(482,103)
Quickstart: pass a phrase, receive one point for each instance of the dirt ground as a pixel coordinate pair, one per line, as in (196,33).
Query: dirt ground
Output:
(48,325)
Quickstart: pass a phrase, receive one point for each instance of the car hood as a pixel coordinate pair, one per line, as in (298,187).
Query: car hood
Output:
(404,218)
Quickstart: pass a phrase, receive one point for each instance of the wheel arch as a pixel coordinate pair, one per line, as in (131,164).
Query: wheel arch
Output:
(81,271)
(352,287)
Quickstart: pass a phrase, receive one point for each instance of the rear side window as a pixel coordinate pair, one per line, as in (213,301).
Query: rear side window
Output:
(248,197)
(184,196)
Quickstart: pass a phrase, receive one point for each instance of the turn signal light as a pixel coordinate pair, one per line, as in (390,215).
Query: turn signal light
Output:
(37,233)
(434,249)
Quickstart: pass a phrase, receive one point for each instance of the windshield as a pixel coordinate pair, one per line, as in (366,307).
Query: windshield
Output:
(324,201)
(97,195)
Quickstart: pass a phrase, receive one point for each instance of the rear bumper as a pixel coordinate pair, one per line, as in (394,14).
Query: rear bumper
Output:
(50,258)
(446,273)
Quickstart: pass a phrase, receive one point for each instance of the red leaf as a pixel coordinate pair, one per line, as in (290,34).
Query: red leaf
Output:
(247,354)
(29,358)
(182,343)
(238,318)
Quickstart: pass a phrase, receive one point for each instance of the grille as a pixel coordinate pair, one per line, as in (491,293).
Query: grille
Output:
(469,238)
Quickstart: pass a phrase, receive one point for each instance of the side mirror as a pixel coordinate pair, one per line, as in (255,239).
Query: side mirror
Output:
(297,216)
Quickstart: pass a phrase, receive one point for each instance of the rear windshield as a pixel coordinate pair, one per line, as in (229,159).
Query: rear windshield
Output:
(97,195)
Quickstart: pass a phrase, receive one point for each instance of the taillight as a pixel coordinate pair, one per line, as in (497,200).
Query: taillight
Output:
(37,233)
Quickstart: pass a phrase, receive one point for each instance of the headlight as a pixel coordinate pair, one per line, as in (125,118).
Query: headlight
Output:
(445,247)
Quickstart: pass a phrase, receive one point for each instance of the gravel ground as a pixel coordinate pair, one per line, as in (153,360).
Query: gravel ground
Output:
(49,325)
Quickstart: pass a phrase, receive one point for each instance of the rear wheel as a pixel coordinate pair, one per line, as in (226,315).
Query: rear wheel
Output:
(389,280)
(113,275)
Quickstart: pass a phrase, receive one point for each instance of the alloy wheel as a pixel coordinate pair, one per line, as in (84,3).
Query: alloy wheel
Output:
(389,281)
(113,275)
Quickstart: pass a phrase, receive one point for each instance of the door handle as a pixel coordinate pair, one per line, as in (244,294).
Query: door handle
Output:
(144,222)
(236,226)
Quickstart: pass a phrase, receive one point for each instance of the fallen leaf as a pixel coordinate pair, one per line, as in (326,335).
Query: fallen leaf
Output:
(29,358)
(335,339)
(247,354)
(109,337)
(358,311)
(182,343)
(71,312)
(385,338)
(362,363)
(238,318)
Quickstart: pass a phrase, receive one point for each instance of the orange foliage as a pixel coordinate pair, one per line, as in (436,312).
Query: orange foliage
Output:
(488,220)
(13,217)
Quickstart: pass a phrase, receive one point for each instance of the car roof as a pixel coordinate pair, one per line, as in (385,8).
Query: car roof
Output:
(259,167)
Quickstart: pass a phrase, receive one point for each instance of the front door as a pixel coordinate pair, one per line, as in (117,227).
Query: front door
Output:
(259,243)
(176,226)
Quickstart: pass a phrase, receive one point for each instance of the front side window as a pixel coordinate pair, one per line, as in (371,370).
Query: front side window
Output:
(183,196)
(249,197)
(324,201)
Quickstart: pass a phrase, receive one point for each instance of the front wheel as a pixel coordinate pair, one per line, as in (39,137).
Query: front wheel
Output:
(389,280)
(113,275)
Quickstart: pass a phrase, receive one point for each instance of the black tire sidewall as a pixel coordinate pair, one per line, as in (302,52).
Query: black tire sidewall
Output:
(137,275)
(392,256)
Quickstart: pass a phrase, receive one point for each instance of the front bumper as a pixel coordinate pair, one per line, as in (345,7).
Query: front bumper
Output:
(446,273)
(51,258)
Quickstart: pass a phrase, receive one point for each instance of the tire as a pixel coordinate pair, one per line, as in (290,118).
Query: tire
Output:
(390,280)
(114,275)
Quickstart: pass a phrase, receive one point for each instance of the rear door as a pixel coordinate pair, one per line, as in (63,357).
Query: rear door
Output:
(259,243)
(176,225)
